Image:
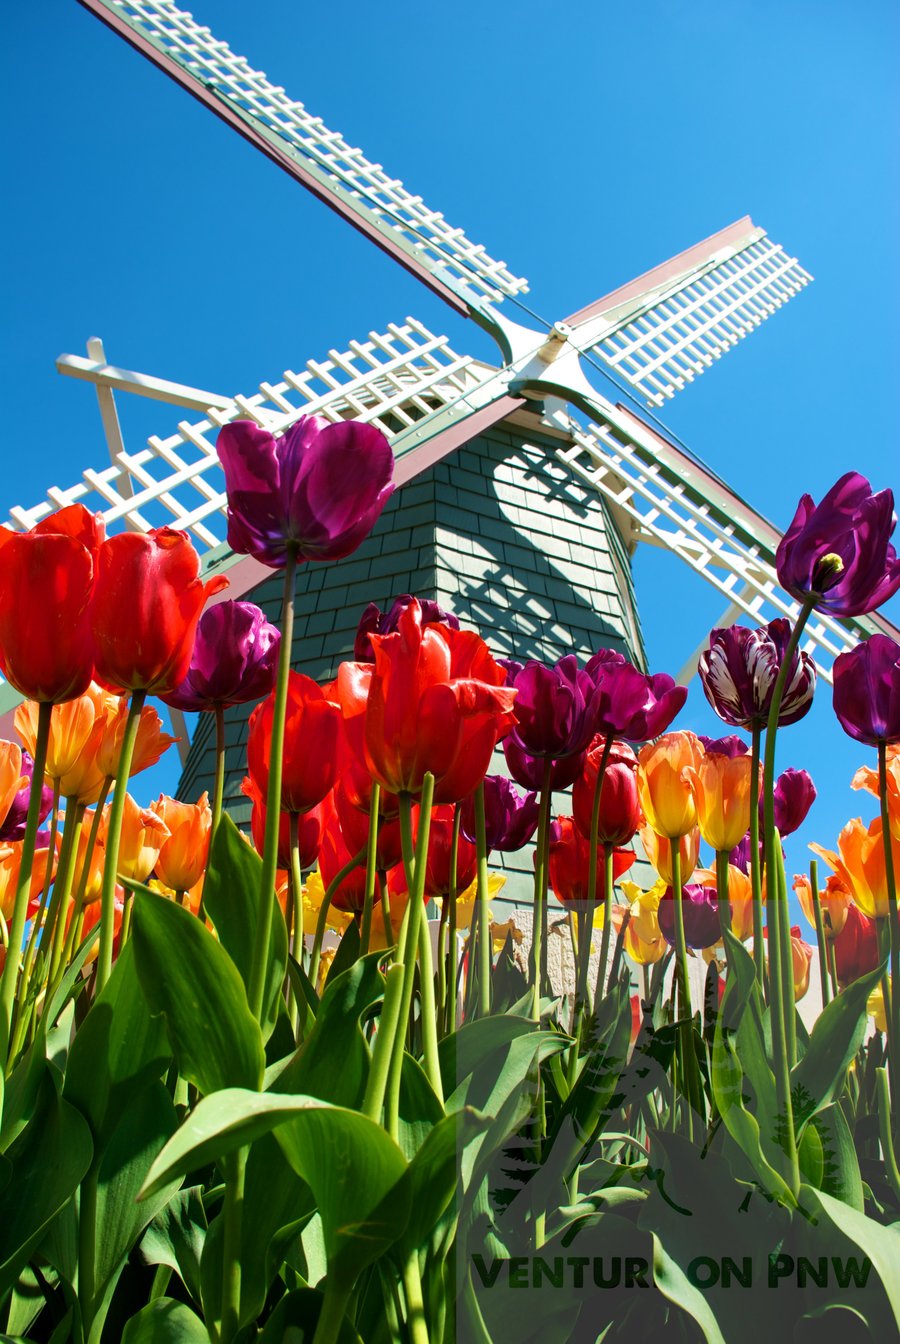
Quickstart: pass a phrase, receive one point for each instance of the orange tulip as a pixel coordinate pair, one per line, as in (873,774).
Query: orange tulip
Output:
(10,861)
(150,744)
(659,852)
(833,900)
(11,777)
(142,837)
(860,865)
(663,783)
(76,728)
(867,778)
(801,959)
(182,858)
(94,879)
(721,790)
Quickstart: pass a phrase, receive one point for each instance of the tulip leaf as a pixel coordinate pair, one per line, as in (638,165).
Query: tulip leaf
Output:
(47,1160)
(835,1230)
(336,1035)
(231,894)
(165,1321)
(419,1109)
(176,1235)
(296,1316)
(433,1174)
(468,1051)
(841,1175)
(818,1078)
(189,978)
(117,1049)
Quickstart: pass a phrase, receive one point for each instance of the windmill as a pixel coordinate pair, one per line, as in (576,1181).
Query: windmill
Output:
(525,489)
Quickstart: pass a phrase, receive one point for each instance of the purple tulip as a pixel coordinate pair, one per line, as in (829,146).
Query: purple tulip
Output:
(374,621)
(528,770)
(839,551)
(510,820)
(235,659)
(795,794)
(553,707)
(867,690)
(729,746)
(13,827)
(631,704)
(739,670)
(700,910)
(317,490)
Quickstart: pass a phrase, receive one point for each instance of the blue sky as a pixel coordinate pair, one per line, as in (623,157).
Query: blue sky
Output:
(582,143)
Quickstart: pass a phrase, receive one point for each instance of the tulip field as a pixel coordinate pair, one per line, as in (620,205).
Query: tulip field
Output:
(297,1085)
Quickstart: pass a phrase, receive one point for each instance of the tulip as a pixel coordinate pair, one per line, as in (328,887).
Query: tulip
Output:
(182,857)
(146,604)
(528,770)
(313,895)
(700,912)
(10,866)
(76,731)
(837,555)
(234,660)
(875,1007)
(149,745)
(659,852)
(510,819)
(795,794)
(855,947)
(310,827)
(801,960)
(730,746)
(334,855)
(374,621)
(88,881)
(12,779)
(438,860)
(867,690)
(142,837)
(620,809)
(354,824)
(664,785)
(739,670)
(553,707)
(570,863)
(472,665)
(721,789)
(629,703)
(644,941)
(312,742)
(13,828)
(47,585)
(834,902)
(740,898)
(315,492)
(867,778)
(860,863)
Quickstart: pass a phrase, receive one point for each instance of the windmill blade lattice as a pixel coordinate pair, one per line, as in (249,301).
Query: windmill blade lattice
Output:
(342,176)
(668,326)
(667,499)
(394,380)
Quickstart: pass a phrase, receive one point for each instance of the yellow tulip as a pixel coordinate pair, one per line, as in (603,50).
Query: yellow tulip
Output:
(663,785)
(721,790)
(659,852)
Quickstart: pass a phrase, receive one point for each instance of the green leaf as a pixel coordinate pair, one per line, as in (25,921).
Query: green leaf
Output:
(834,1229)
(673,1283)
(190,979)
(419,1109)
(347,954)
(432,1177)
(819,1077)
(48,1160)
(165,1321)
(117,1050)
(295,1318)
(597,1082)
(841,1176)
(463,1051)
(335,1036)
(231,899)
(176,1235)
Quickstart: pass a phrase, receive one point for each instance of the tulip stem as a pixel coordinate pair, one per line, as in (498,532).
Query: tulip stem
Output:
(452,949)
(64,876)
(113,834)
(759,947)
(266,908)
(722,894)
(593,845)
(820,931)
(235,1165)
(540,890)
(373,1102)
(84,875)
(219,785)
(776,916)
(484,923)
(23,888)
(606,936)
(891,884)
(371,868)
(884,1124)
(38,918)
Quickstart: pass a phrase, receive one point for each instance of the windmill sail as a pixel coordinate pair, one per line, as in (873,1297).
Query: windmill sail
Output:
(421,239)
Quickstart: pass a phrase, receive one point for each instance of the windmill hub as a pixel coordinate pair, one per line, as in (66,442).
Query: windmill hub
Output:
(555,343)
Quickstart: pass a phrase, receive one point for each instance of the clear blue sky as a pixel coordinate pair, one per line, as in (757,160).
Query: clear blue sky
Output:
(582,142)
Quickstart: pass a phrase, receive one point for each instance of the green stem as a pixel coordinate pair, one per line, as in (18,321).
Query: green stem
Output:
(820,931)
(23,888)
(451,997)
(235,1172)
(890,881)
(266,910)
(373,1102)
(722,894)
(371,867)
(85,869)
(884,1128)
(415,1305)
(540,891)
(331,1316)
(87,1248)
(64,876)
(484,923)
(114,831)
(606,936)
(759,948)
(38,918)
(429,1010)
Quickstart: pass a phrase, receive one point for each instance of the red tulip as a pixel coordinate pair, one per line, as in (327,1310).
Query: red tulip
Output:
(620,809)
(437,864)
(47,579)
(310,827)
(354,823)
(333,855)
(570,863)
(147,601)
(855,947)
(312,744)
